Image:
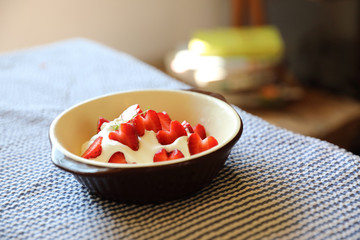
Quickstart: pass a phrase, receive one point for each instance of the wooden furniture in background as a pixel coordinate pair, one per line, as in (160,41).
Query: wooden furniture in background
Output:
(251,10)
(319,114)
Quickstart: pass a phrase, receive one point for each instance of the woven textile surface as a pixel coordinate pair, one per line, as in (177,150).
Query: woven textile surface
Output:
(275,184)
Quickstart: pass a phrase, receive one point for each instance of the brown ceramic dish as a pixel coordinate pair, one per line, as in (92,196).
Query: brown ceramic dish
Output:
(146,183)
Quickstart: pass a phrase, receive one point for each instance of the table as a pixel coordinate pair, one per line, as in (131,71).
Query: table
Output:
(275,185)
(319,114)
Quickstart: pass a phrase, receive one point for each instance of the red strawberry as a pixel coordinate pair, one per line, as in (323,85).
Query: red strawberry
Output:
(100,123)
(187,126)
(131,112)
(150,122)
(126,135)
(165,120)
(197,145)
(94,150)
(164,155)
(200,129)
(117,157)
(176,130)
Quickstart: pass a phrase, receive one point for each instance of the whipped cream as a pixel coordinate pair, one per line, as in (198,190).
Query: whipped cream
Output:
(148,145)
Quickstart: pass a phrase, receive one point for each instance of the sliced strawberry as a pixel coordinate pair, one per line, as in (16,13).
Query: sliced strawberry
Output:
(200,129)
(131,112)
(176,130)
(187,126)
(126,135)
(94,150)
(100,123)
(117,157)
(139,126)
(197,145)
(164,155)
(150,122)
(165,120)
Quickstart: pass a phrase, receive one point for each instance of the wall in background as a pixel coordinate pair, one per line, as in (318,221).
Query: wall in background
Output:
(146,29)
(321,36)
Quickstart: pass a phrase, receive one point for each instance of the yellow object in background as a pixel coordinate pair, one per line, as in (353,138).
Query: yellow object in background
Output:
(260,41)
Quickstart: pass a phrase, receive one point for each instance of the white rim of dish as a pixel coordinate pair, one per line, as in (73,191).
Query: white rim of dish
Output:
(58,146)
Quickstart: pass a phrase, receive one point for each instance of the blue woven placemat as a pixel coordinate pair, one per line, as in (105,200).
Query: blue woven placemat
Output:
(275,184)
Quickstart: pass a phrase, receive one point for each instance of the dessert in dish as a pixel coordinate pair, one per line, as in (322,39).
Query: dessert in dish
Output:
(145,136)
(153,182)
